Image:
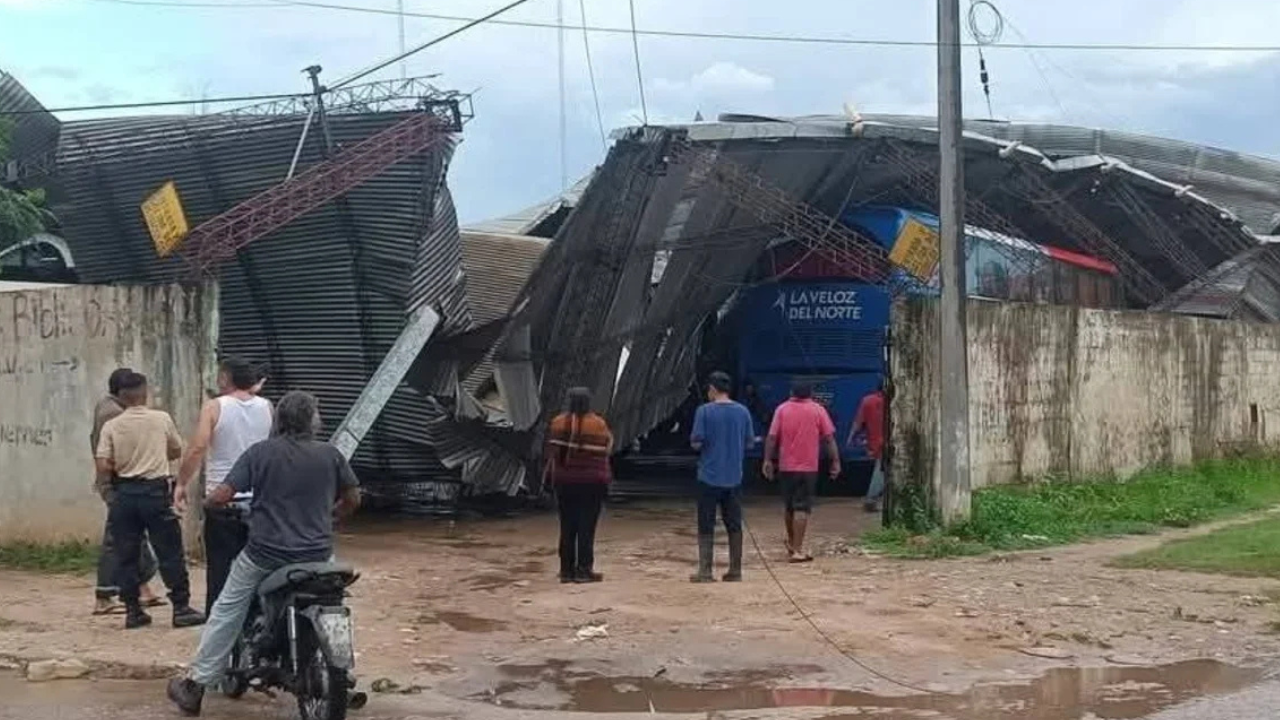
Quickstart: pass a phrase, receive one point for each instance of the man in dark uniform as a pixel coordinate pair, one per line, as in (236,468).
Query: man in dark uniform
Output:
(134,456)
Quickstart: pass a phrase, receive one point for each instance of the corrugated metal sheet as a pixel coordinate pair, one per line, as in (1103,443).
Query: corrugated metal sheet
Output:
(35,132)
(1242,288)
(497,266)
(531,220)
(321,300)
(1248,185)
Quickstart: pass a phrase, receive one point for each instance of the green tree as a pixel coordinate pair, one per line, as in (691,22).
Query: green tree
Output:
(22,212)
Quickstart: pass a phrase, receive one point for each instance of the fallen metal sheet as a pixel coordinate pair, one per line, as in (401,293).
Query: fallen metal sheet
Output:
(1238,289)
(321,301)
(384,382)
(34,134)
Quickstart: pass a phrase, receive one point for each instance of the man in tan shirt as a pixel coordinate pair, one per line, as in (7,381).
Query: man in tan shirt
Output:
(134,456)
(108,570)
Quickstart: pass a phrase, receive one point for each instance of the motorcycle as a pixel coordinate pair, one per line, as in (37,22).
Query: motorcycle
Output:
(298,638)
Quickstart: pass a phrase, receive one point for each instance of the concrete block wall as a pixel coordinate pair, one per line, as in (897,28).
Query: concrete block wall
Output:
(57,348)
(1076,393)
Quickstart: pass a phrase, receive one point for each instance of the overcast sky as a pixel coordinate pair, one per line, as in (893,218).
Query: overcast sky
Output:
(73,52)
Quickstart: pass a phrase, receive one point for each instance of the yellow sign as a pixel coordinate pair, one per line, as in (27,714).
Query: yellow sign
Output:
(166,221)
(916,249)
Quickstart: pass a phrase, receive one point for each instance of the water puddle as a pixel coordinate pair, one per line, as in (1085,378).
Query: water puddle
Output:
(463,622)
(1107,693)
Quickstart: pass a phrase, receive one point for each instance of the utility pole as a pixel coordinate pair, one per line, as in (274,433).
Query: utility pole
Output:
(953,492)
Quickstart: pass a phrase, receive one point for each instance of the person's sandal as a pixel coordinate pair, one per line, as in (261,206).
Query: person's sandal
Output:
(110,607)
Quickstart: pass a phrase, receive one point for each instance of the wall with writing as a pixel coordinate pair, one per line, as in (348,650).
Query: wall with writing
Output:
(57,348)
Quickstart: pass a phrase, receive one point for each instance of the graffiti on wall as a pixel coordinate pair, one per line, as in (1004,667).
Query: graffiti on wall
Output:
(45,315)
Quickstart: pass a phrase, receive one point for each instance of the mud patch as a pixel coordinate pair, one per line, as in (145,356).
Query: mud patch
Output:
(463,622)
(1109,693)
(508,576)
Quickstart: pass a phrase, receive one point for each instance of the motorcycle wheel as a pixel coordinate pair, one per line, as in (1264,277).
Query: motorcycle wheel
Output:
(322,692)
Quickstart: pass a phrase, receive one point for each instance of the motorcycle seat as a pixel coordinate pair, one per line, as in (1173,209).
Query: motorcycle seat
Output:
(302,572)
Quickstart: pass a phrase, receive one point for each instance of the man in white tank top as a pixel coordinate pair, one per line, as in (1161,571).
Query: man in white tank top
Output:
(229,424)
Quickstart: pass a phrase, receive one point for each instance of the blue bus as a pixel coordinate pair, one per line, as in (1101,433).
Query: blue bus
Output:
(812,321)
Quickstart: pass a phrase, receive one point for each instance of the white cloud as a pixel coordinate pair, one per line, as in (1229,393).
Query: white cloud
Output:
(727,77)
(721,79)
(512,158)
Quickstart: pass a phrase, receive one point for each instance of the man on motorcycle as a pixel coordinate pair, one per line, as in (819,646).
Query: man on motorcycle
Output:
(297,483)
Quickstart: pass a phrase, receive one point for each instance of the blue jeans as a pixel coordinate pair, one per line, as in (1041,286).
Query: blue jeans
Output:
(876,490)
(729,502)
(227,620)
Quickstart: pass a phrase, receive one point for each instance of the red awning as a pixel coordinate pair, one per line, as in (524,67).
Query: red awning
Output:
(1080,260)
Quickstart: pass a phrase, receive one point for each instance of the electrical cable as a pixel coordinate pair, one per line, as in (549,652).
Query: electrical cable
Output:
(591,73)
(434,41)
(1118,120)
(980,36)
(985,37)
(156,103)
(697,35)
(808,618)
(635,47)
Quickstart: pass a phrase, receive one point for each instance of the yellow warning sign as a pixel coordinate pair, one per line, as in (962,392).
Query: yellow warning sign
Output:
(916,249)
(165,218)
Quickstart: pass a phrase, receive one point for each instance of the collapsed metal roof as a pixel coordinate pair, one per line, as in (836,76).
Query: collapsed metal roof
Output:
(1247,185)
(596,313)
(496,266)
(34,132)
(1242,288)
(322,300)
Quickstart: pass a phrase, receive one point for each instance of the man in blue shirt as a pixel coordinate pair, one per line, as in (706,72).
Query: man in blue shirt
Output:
(722,434)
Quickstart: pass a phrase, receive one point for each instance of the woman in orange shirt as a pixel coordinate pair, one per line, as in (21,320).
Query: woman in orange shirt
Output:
(579,444)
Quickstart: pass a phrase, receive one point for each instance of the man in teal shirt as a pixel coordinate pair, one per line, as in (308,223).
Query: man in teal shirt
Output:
(722,434)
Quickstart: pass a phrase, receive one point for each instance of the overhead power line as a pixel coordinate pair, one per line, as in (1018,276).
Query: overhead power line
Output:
(436,40)
(286,96)
(699,35)
(591,73)
(156,103)
(635,47)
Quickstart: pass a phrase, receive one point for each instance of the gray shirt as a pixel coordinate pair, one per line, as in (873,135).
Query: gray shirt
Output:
(106,409)
(295,484)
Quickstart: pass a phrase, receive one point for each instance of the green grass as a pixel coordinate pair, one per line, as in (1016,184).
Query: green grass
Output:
(1041,514)
(67,557)
(1248,550)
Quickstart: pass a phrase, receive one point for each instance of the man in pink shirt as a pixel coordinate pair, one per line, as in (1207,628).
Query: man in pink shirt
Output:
(800,427)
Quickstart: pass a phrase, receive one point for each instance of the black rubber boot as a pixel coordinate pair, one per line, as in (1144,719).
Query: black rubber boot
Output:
(706,558)
(735,558)
(185,616)
(135,617)
(588,576)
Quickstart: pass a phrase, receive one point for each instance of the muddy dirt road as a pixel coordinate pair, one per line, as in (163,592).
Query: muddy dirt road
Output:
(1202,690)
(468,617)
